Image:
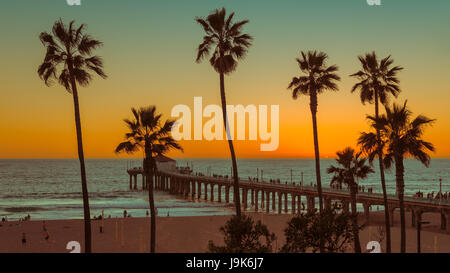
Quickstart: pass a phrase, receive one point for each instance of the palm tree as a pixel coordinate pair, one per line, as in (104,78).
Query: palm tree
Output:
(225,40)
(69,61)
(149,134)
(400,137)
(316,77)
(377,80)
(353,168)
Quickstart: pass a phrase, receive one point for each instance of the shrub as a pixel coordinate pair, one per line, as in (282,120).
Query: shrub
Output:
(305,231)
(243,235)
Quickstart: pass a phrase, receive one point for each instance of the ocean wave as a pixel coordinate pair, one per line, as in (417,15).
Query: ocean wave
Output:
(24,209)
(118,206)
(66,195)
(145,206)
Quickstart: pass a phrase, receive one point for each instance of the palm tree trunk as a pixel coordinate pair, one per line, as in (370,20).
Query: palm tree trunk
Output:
(313,106)
(152,215)
(399,171)
(237,199)
(357,244)
(84,189)
(383,182)
(148,170)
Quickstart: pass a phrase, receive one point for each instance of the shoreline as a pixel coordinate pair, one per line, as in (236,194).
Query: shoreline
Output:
(172,234)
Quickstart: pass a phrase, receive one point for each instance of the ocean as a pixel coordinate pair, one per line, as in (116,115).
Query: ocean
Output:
(51,188)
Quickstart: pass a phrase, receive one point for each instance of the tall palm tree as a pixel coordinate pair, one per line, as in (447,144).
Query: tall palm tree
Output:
(149,134)
(378,80)
(316,77)
(400,136)
(352,168)
(69,60)
(226,44)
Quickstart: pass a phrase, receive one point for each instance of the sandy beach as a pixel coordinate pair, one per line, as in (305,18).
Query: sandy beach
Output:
(185,234)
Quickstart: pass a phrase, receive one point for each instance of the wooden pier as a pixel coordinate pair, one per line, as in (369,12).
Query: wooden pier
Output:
(270,197)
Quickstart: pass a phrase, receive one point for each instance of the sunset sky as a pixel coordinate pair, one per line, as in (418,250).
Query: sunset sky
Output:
(149,54)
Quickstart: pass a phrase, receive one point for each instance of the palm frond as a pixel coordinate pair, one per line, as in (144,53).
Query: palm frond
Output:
(127,147)
(376,77)
(64,80)
(223,42)
(403,137)
(147,133)
(315,75)
(61,56)
(60,32)
(87,44)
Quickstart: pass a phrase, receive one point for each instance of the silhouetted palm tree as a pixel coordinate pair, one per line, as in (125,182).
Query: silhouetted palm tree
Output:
(149,134)
(316,77)
(400,137)
(378,80)
(69,61)
(352,168)
(226,44)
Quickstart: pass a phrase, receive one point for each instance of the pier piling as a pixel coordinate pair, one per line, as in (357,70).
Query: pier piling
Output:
(190,186)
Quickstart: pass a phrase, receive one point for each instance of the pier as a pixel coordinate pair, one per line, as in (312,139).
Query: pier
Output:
(283,198)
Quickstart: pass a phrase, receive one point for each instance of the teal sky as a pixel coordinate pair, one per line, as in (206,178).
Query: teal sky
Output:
(167,28)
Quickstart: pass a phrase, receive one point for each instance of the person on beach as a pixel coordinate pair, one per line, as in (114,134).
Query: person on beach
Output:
(44,228)
(125,213)
(24,238)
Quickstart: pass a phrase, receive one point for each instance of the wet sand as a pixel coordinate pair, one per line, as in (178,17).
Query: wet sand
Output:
(188,234)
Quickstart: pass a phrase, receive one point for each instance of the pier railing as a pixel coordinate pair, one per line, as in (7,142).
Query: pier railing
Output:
(194,186)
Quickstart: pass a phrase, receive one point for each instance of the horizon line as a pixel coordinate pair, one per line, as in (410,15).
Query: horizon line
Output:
(181,158)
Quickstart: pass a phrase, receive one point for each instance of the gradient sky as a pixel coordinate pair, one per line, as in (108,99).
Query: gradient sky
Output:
(149,52)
